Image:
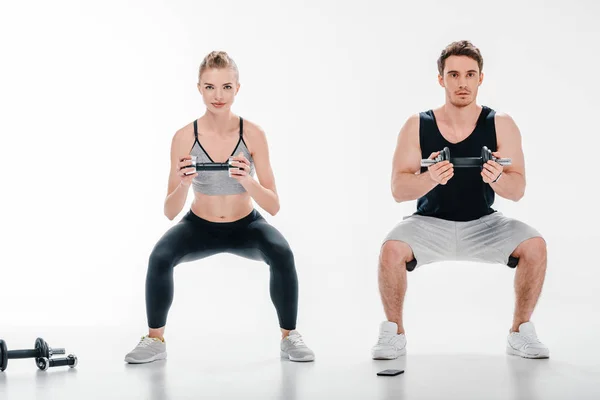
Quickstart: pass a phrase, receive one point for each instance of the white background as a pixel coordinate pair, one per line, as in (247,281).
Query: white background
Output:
(91,94)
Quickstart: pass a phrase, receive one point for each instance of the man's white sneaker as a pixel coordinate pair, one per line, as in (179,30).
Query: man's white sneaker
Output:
(390,345)
(525,343)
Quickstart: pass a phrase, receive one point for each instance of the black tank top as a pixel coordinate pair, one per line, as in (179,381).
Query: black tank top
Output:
(465,197)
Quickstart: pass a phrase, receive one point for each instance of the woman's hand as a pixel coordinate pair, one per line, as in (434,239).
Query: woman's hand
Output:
(187,171)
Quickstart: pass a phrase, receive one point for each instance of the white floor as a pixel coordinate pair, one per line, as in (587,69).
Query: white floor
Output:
(247,366)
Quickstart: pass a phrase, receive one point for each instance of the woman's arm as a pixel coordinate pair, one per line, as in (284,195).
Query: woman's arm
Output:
(264,192)
(179,184)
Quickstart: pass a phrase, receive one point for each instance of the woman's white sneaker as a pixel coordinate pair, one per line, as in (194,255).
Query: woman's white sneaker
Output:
(294,349)
(147,350)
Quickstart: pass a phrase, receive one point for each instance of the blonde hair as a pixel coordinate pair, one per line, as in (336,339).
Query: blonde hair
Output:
(218,59)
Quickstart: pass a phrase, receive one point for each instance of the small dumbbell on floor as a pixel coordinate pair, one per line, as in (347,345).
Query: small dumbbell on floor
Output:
(466,162)
(41,350)
(44,363)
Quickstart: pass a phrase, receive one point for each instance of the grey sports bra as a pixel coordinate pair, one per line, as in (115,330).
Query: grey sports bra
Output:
(215,183)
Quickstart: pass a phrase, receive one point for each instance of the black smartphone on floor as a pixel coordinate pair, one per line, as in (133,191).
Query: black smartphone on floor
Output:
(390,372)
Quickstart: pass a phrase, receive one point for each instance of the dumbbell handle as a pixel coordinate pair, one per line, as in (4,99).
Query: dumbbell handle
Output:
(427,162)
(44,363)
(503,161)
(212,166)
(15,354)
(71,361)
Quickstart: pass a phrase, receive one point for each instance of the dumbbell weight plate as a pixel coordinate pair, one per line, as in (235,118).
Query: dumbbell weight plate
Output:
(445,154)
(42,347)
(193,163)
(3,355)
(42,363)
(486,155)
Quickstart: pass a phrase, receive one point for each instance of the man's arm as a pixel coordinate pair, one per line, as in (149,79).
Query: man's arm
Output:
(511,184)
(407,183)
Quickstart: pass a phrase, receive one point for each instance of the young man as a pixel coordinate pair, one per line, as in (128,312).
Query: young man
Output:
(454,219)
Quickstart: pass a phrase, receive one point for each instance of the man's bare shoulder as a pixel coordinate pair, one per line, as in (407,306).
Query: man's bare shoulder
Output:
(504,119)
(410,129)
(413,120)
(506,125)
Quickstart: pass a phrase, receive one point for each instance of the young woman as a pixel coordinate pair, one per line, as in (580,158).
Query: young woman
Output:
(222,216)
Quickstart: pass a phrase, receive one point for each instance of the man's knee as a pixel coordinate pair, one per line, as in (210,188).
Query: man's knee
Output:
(532,250)
(394,253)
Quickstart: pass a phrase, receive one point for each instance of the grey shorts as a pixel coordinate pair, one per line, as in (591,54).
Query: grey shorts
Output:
(489,239)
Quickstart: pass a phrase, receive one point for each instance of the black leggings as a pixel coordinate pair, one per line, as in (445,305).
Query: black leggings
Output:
(194,238)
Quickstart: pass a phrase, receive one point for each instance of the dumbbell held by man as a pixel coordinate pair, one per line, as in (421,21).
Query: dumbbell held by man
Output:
(466,162)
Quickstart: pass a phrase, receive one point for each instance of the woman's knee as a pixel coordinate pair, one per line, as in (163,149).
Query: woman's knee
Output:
(161,258)
(280,254)
(394,253)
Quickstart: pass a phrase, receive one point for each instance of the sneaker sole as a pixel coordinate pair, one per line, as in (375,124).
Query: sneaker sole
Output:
(157,357)
(515,352)
(303,359)
(389,356)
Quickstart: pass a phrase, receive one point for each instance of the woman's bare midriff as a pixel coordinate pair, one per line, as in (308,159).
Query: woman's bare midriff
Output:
(227,208)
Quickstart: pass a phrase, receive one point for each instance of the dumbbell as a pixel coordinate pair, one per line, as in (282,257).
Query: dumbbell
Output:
(45,363)
(41,350)
(200,166)
(466,162)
